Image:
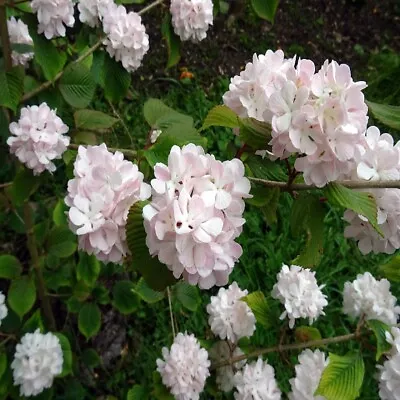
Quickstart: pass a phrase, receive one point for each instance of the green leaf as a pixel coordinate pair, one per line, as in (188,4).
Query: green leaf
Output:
(308,216)
(88,268)
(173,42)
(138,392)
(342,378)
(3,363)
(146,293)
(59,213)
(85,137)
(262,196)
(10,267)
(254,133)
(221,116)
(264,168)
(61,242)
(160,392)
(22,48)
(380,329)
(67,354)
(91,358)
(391,269)
(93,120)
(159,151)
(126,301)
(388,115)
(77,86)
(116,80)
(11,87)
(271,208)
(89,320)
(265,9)
(307,333)
(24,184)
(22,295)
(156,274)
(259,305)
(360,202)
(34,322)
(187,295)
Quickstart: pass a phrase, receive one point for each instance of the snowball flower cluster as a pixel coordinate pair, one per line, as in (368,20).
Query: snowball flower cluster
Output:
(127,40)
(91,12)
(37,360)
(53,16)
(19,34)
(380,160)
(38,138)
(191,18)
(184,369)
(104,188)
(371,298)
(3,307)
(229,317)
(297,289)
(256,381)
(196,214)
(308,375)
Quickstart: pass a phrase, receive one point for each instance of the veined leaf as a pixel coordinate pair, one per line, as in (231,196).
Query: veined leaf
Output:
(380,329)
(221,116)
(188,295)
(89,320)
(265,9)
(173,42)
(259,305)
(264,168)
(93,120)
(11,87)
(10,267)
(389,115)
(254,133)
(146,293)
(126,301)
(116,80)
(391,269)
(22,295)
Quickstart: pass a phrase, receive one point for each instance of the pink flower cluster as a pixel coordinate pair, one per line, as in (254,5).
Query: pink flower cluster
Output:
(196,214)
(321,115)
(104,188)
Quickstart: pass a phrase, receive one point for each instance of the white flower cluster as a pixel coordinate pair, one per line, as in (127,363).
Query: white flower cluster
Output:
(19,34)
(196,215)
(191,18)
(322,115)
(3,307)
(38,138)
(308,375)
(37,360)
(184,369)
(229,317)
(53,16)
(104,188)
(371,298)
(297,289)
(91,12)
(256,381)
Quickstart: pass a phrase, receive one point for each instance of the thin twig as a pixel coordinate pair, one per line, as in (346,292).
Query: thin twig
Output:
(4,185)
(150,6)
(171,314)
(115,112)
(125,152)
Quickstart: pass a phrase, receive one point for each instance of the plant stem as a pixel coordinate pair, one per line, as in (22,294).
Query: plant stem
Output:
(171,313)
(33,251)
(4,185)
(125,152)
(150,6)
(349,184)
(5,38)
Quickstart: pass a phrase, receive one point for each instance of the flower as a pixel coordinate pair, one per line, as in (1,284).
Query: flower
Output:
(91,12)
(127,40)
(191,18)
(38,359)
(229,317)
(389,378)
(298,290)
(19,34)
(184,369)
(256,381)
(3,307)
(104,188)
(371,298)
(221,352)
(38,138)
(53,15)
(308,375)
(393,337)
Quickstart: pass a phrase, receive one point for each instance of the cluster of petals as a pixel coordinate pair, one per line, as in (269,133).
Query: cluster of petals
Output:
(38,138)
(91,12)
(103,189)
(191,18)
(229,317)
(256,381)
(3,307)
(308,375)
(53,16)
(379,161)
(185,367)
(196,214)
(38,359)
(297,289)
(320,115)
(371,298)
(19,34)
(127,40)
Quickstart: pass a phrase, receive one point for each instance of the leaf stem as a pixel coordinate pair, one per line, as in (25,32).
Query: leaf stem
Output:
(125,152)
(5,38)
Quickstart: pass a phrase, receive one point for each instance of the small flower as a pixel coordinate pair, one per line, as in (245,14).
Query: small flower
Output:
(19,34)
(38,138)
(297,289)
(3,307)
(308,375)
(256,381)
(371,298)
(230,318)
(389,378)
(184,369)
(37,360)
